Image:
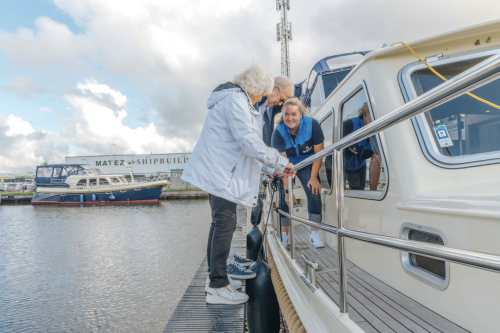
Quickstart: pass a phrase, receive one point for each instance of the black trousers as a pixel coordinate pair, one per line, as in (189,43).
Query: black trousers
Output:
(219,239)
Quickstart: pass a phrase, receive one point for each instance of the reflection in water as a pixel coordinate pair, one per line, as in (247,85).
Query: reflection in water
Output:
(103,268)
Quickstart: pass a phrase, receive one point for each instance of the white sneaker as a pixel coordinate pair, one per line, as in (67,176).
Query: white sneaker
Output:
(226,295)
(285,240)
(315,240)
(235,283)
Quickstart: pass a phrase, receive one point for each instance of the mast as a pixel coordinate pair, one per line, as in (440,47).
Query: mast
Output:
(284,35)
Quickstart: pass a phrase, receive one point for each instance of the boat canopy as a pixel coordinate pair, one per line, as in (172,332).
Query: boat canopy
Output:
(56,174)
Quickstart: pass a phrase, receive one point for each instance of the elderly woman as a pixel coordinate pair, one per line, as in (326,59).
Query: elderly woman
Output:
(227,163)
(297,137)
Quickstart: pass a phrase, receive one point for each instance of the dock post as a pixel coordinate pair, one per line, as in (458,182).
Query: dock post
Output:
(339,193)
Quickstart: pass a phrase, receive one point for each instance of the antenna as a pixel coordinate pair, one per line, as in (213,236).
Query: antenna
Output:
(284,35)
(129,169)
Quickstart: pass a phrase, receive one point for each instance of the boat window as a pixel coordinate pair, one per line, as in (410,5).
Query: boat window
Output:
(82,182)
(64,172)
(331,81)
(325,172)
(363,164)
(464,125)
(92,181)
(429,265)
(115,180)
(70,170)
(103,181)
(57,172)
(44,172)
(314,101)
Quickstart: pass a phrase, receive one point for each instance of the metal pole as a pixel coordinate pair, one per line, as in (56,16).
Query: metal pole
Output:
(290,212)
(339,193)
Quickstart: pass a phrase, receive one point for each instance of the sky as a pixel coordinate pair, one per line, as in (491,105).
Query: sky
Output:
(77,76)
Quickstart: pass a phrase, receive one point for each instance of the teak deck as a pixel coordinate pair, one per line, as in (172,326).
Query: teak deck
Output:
(373,305)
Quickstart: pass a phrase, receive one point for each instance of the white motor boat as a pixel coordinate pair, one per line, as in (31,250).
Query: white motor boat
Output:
(416,249)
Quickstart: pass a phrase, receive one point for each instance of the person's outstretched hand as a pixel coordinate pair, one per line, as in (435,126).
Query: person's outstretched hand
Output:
(288,172)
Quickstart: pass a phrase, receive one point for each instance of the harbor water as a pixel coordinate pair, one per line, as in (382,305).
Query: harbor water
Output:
(98,269)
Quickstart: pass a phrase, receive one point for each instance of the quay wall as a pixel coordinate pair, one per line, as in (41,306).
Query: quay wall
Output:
(165,195)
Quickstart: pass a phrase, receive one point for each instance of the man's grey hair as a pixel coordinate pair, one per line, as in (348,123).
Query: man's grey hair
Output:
(256,80)
(284,83)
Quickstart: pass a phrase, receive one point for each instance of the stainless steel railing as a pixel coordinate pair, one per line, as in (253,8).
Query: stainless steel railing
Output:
(479,75)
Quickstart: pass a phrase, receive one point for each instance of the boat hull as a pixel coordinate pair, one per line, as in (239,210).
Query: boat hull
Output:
(142,195)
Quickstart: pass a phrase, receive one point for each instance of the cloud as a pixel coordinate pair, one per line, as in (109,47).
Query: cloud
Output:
(22,147)
(174,53)
(23,86)
(95,122)
(17,126)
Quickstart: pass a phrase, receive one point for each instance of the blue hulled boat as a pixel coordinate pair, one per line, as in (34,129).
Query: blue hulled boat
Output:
(81,184)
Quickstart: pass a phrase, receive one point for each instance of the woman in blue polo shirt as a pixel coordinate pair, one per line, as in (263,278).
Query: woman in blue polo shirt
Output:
(297,137)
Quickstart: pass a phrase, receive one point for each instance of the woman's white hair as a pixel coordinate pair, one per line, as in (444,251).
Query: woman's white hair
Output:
(256,80)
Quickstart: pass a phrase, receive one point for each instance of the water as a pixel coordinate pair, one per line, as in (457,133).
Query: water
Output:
(98,269)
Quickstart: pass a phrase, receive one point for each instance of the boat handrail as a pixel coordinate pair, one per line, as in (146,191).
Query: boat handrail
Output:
(479,75)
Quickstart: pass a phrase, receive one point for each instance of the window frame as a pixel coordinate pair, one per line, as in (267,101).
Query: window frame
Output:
(419,273)
(334,132)
(425,133)
(360,194)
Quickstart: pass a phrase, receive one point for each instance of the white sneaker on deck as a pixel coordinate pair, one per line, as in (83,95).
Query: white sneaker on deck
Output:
(315,240)
(235,283)
(285,240)
(227,295)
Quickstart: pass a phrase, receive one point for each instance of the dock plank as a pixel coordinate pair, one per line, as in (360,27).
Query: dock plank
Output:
(193,314)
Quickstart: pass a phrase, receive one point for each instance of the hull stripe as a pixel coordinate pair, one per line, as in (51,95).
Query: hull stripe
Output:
(89,202)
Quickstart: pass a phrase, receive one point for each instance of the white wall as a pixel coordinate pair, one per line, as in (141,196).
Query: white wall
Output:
(141,164)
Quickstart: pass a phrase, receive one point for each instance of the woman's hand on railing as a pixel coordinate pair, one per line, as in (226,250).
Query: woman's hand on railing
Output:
(314,185)
(294,200)
(288,172)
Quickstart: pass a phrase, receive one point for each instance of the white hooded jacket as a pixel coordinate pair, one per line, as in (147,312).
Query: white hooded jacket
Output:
(228,157)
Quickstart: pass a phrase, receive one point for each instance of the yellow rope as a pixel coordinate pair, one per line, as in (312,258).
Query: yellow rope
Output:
(442,77)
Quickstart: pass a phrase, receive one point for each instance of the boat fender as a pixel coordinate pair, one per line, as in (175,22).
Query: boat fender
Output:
(81,198)
(112,196)
(254,242)
(93,197)
(256,216)
(262,308)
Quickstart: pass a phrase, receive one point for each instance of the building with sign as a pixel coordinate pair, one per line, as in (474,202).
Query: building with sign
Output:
(142,165)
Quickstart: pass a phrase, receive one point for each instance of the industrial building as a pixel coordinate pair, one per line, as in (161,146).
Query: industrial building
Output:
(141,165)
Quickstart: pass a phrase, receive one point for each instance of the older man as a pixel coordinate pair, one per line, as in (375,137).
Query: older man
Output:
(283,90)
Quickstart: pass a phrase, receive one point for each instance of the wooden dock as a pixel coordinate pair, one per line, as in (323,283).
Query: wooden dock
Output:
(193,314)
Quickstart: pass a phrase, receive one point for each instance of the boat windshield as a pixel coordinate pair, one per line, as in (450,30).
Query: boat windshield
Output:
(331,81)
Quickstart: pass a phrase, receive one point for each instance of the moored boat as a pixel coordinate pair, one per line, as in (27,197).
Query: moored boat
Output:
(416,248)
(81,184)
